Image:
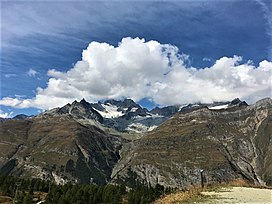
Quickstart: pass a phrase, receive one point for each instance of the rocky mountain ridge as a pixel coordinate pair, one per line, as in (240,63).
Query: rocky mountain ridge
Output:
(128,116)
(124,116)
(225,144)
(79,142)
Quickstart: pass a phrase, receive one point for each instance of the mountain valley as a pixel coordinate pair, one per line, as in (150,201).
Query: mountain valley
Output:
(120,142)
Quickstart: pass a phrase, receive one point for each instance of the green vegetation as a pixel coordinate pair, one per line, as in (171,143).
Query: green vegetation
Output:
(93,194)
(144,194)
(26,191)
(22,190)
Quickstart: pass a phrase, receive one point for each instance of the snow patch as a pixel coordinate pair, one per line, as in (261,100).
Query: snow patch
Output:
(139,128)
(182,106)
(155,115)
(219,107)
(133,109)
(152,128)
(110,111)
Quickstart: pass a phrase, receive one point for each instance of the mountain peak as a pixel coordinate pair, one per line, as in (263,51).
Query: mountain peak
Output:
(84,103)
(129,103)
(235,101)
(111,101)
(20,116)
(238,102)
(126,103)
(74,102)
(83,100)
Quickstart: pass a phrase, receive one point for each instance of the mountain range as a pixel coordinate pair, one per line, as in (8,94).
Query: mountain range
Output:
(122,142)
(123,116)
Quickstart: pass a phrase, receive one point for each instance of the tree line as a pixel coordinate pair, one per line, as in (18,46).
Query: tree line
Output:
(22,190)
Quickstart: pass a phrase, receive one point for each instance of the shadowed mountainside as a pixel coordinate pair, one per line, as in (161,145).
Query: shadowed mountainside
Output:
(57,148)
(226,144)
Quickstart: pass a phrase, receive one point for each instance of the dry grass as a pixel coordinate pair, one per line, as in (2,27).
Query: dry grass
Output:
(5,200)
(194,193)
(239,183)
(236,183)
(244,183)
(191,195)
(38,196)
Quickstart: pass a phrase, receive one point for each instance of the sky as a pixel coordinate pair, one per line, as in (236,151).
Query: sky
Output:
(155,52)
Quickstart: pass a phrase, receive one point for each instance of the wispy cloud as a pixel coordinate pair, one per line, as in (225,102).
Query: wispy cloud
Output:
(32,73)
(60,22)
(10,75)
(72,24)
(206,59)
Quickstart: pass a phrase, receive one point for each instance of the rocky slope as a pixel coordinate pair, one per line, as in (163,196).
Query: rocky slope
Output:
(75,142)
(80,143)
(226,144)
(57,148)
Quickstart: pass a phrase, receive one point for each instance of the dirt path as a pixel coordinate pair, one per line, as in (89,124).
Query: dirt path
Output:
(239,195)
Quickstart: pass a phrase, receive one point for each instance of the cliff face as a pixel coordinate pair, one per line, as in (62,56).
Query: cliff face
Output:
(57,148)
(226,144)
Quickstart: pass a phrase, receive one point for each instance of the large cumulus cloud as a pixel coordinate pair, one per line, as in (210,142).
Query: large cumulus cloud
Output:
(138,69)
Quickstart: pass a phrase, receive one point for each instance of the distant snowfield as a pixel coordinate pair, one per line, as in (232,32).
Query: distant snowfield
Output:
(219,107)
(110,111)
(240,195)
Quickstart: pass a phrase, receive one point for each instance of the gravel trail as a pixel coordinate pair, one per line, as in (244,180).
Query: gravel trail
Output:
(239,195)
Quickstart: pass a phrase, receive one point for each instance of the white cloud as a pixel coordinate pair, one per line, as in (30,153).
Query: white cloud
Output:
(206,59)
(5,115)
(138,69)
(10,75)
(32,73)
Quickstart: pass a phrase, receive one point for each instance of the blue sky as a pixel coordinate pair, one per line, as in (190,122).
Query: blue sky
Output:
(50,35)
